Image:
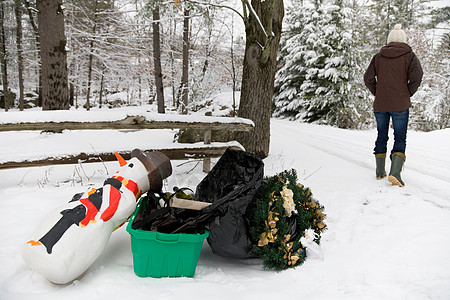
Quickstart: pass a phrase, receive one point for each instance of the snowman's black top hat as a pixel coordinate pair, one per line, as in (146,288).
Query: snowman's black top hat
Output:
(158,167)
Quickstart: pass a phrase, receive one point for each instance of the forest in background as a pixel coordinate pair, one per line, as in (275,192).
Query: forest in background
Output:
(327,46)
(324,50)
(110,52)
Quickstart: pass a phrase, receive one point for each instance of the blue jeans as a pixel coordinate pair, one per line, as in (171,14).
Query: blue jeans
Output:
(400,124)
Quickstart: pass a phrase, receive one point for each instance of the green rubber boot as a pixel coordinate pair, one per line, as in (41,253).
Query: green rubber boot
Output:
(398,159)
(380,159)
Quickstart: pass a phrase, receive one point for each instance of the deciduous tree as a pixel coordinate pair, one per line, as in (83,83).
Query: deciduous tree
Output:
(3,59)
(18,11)
(263,22)
(55,91)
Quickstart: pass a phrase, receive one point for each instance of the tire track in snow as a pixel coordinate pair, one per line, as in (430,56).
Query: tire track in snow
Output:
(429,161)
(436,159)
(321,139)
(355,147)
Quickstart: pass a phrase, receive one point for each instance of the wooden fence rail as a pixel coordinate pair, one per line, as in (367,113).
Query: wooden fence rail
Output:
(205,150)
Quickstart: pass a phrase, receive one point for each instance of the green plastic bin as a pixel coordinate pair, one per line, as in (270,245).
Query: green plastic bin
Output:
(157,254)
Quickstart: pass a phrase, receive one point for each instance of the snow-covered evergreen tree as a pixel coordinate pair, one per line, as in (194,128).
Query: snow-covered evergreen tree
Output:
(320,77)
(431,104)
(387,13)
(292,58)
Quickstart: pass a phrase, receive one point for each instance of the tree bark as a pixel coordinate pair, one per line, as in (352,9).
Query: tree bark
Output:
(100,97)
(260,61)
(18,11)
(233,68)
(3,59)
(36,34)
(173,29)
(89,83)
(157,61)
(91,57)
(71,94)
(185,75)
(55,90)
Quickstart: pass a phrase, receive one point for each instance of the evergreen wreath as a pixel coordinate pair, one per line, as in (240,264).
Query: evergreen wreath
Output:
(279,215)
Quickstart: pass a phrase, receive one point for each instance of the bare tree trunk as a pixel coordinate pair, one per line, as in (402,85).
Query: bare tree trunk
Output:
(157,60)
(233,68)
(208,48)
(185,76)
(71,94)
(91,56)
(55,89)
(258,76)
(172,64)
(139,61)
(100,99)
(18,11)
(89,83)
(388,22)
(76,98)
(139,81)
(3,59)
(38,46)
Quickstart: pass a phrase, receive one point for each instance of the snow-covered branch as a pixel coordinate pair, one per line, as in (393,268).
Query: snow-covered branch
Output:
(217,5)
(253,12)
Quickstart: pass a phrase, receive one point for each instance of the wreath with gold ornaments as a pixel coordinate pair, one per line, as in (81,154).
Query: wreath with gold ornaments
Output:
(285,222)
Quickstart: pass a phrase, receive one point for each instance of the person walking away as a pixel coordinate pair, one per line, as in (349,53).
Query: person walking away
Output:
(393,76)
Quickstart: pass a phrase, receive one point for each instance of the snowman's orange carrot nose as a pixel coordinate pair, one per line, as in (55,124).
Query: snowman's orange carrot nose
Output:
(121,160)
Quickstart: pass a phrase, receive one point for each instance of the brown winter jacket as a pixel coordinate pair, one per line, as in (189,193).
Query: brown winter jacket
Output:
(393,76)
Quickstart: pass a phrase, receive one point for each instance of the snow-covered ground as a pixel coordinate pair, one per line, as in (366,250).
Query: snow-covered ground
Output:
(382,242)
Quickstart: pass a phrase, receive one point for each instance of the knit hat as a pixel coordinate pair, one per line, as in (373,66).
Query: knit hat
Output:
(397,35)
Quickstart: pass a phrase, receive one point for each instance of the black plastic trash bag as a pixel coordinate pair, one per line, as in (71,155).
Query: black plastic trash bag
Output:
(231,185)
(167,219)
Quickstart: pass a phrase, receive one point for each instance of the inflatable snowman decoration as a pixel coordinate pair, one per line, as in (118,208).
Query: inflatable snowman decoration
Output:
(72,237)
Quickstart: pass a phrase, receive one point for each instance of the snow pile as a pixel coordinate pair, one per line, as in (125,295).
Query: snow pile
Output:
(382,242)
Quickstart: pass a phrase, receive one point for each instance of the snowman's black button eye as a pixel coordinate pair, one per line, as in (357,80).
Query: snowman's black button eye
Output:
(130,165)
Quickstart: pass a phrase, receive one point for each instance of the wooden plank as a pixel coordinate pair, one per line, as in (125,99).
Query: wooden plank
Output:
(173,153)
(188,204)
(130,122)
